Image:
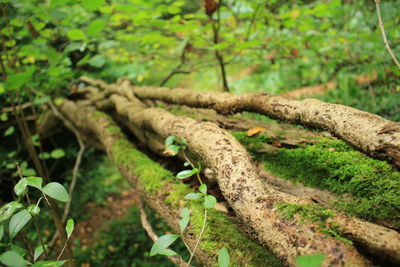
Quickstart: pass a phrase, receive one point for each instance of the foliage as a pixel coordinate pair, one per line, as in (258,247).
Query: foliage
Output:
(125,243)
(14,255)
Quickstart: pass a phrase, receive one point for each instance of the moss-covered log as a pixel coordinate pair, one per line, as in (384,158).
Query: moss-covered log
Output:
(252,202)
(161,190)
(367,132)
(371,236)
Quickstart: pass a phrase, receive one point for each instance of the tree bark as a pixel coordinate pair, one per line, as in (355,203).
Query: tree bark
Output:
(366,132)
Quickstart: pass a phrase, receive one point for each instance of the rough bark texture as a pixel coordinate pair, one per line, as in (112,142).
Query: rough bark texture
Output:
(252,201)
(95,125)
(367,132)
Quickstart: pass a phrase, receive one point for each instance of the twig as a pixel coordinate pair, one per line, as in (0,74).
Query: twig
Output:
(78,160)
(382,28)
(177,69)
(216,25)
(150,232)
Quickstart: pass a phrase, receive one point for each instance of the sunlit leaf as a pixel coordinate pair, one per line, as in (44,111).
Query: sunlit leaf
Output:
(8,209)
(95,27)
(209,202)
(162,243)
(10,130)
(223,258)
(203,188)
(70,227)
(187,173)
(97,61)
(57,153)
(12,258)
(20,187)
(38,251)
(35,182)
(56,191)
(75,34)
(92,4)
(192,196)
(18,221)
(185,214)
(171,150)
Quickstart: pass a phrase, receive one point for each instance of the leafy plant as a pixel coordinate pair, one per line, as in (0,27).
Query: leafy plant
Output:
(19,213)
(161,246)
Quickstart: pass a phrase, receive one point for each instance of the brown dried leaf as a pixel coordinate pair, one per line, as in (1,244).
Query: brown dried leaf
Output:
(254,131)
(210,6)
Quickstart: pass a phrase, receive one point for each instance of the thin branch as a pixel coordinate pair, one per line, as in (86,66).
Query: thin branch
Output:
(216,25)
(253,19)
(382,28)
(177,69)
(153,236)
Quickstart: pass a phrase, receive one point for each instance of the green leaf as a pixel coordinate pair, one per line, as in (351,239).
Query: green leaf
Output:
(314,260)
(97,61)
(92,4)
(203,188)
(57,153)
(33,209)
(12,258)
(48,264)
(16,81)
(167,252)
(18,249)
(8,209)
(56,191)
(95,27)
(1,231)
(169,140)
(18,221)
(20,187)
(193,196)
(187,173)
(9,131)
(209,202)
(185,214)
(70,227)
(186,164)
(172,150)
(76,35)
(162,243)
(35,182)
(28,172)
(38,251)
(223,258)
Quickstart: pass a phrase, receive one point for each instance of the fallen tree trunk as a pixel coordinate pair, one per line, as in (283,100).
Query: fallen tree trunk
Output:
(163,193)
(364,233)
(366,132)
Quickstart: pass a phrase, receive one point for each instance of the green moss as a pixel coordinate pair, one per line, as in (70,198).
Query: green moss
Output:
(373,185)
(312,213)
(253,143)
(220,231)
(113,129)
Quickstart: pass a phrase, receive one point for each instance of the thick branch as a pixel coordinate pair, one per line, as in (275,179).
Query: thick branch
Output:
(164,195)
(367,132)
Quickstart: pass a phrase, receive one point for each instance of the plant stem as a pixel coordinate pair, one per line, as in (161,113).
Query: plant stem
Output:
(200,236)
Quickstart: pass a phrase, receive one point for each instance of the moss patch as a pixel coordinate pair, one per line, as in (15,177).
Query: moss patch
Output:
(373,185)
(220,231)
(313,213)
(253,143)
